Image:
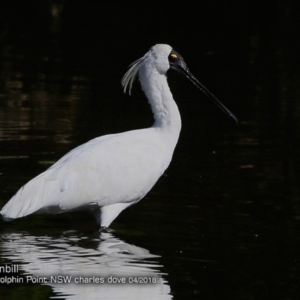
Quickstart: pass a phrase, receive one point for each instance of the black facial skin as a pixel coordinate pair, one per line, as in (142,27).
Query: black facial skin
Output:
(177,63)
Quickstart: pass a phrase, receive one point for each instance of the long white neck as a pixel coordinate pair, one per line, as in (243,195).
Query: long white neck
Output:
(165,110)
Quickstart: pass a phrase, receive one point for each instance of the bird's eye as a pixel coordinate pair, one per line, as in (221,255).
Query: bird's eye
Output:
(173,57)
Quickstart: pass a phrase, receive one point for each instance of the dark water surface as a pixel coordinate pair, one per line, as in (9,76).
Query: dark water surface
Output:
(223,221)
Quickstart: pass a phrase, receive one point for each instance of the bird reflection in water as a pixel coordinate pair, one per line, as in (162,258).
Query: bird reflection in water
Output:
(106,269)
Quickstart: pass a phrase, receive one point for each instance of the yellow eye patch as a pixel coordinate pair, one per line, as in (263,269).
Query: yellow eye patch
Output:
(173,56)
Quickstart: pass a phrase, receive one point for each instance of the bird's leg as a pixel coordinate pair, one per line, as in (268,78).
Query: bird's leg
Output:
(97,215)
(103,229)
(110,212)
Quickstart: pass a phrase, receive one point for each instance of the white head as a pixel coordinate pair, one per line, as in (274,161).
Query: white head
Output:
(163,58)
(158,57)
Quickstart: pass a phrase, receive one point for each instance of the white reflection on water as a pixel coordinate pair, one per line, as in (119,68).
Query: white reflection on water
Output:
(102,257)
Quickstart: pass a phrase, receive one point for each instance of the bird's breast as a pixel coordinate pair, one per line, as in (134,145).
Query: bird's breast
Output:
(120,169)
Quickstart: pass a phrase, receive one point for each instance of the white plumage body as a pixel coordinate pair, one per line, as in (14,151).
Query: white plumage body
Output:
(112,172)
(105,171)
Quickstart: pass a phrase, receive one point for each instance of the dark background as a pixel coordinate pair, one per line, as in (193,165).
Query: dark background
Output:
(225,216)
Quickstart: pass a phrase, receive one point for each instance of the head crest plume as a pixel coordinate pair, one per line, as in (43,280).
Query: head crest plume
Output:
(131,74)
(160,50)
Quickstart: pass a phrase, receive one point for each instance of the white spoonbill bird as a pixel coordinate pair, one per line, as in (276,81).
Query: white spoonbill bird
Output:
(112,172)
